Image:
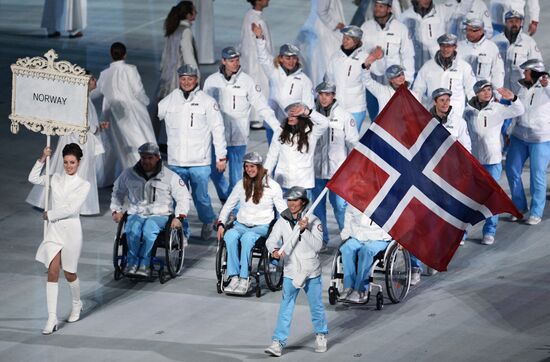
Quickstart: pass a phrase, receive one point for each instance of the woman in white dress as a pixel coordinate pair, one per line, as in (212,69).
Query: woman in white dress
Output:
(62,243)
(87,169)
(64,15)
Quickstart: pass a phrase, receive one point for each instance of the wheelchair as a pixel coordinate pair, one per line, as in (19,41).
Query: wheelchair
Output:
(171,240)
(393,263)
(261,263)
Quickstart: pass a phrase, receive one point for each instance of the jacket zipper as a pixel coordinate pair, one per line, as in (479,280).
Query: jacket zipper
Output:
(478,68)
(387,48)
(291,87)
(233,102)
(484,121)
(191,119)
(154,193)
(532,97)
(515,58)
(332,135)
(430,29)
(450,83)
(349,70)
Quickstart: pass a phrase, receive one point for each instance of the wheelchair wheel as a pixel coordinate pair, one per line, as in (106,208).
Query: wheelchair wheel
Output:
(221,266)
(336,276)
(273,271)
(332,295)
(120,251)
(175,251)
(398,272)
(162,277)
(379,301)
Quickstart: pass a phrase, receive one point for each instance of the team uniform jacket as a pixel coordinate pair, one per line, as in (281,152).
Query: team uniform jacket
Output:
(192,126)
(485,124)
(236,97)
(456,125)
(153,196)
(302,259)
(515,54)
(467,9)
(295,168)
(334,145)
(396,43)
(500,7)
(534,124)
(345,72)
(285,89)
(359,226)
(459,78)
(485,59)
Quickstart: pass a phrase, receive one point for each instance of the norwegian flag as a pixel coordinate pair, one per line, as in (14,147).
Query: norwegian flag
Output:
(411,177)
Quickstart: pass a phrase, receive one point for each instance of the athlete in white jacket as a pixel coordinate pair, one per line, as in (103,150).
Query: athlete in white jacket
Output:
(449,118)
(500,7)
(302,269)
(237,94)
(193,124)
(332,149)
(485,117)
(463,10)
(531,139)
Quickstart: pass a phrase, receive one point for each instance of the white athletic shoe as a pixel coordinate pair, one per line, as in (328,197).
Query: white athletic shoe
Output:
(415,276)
(533,220)
(320,343)
(275,349)
(242,288)
(233,284)
(354,297)
(488,240)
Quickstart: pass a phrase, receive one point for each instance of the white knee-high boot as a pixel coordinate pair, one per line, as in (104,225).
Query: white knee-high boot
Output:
(77,303)
(51,301)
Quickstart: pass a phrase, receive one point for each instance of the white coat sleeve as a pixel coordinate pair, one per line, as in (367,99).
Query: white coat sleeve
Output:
(275,236)
(350,132)
(346,231)
(208,87)
(469,81)
(515,109)
(534,52)
(326,15)
(534,9)
(264,58)
(231,202)
(163,107)
(137,86)
(320,124)
(312,235)
(180,193)
(120,191)
(273,152)
(307,94)
(72,204)
(497,72)
(464,136)
(420,86)
(258,101)
(186,47)
(278,199)
(218,130)
(34,176)
(407,56)
(486,17)
(376,88)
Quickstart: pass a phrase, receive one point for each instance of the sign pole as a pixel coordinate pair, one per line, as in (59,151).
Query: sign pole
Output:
(47,185)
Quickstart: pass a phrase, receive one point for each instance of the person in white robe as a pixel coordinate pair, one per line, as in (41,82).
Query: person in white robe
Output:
(204,30)
(320,36)
(65,16)
(87,169)
(62,241)
(249,57)
(124,109)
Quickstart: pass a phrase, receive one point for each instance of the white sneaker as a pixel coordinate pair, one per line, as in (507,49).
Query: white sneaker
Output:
(354,297)
(242,288)
(488,240)
(462,242)
(533,220)
(513,218)
(275,349)
(233,284)
(206,231)
(320,343)
(346,294)
(51,325)
(75,312)
(415,276)
(363,297)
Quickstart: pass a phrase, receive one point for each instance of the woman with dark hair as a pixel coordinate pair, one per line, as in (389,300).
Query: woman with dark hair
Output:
(180,46)
(62,243)
(257,195)
(291,153)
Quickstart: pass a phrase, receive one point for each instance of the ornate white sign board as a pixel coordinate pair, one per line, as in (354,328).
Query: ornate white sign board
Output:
(49,96)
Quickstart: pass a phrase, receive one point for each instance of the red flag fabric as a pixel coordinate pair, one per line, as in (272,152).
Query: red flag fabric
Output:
(412,178)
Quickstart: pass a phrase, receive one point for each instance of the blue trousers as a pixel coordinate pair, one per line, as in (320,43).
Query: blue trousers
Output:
(141,233)
(196,179)
(235,155)
(338,205)
(372,106)
(359,16)
(356,274)
(268,133)
(314,293)
(539,156)
(490,227)
(247,237)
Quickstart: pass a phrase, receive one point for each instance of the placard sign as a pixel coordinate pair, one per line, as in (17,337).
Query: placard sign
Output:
(49,96)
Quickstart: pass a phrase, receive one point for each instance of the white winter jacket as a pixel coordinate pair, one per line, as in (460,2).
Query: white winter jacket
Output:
(153,196)
(382,92)
(345,72)
(284,89)
(192,126)
(514,55)
(467,9)
(337,141)
(236,97)
(534,124)
(302,259)
(459,78)
(485,124)
(485,60)
(456,125)
(295,168)
(359,226)
(251,214)
(500,7)
(396,43)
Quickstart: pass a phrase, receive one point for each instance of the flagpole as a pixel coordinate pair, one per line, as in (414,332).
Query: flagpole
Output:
(47,185)
(296,230)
